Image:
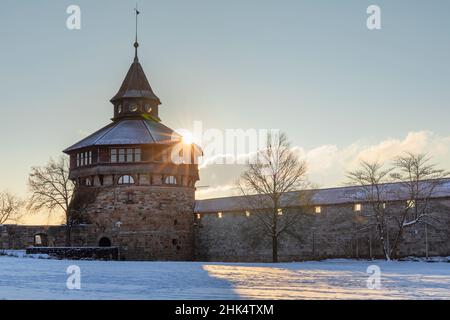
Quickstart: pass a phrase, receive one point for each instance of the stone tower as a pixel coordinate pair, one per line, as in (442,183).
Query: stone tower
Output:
(135,178)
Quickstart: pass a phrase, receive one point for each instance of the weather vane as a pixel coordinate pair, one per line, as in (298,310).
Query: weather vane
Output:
(136,44)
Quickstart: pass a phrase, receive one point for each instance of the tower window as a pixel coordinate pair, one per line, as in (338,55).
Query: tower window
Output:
(137,155)
(170,180)
(129,155)
(126,155)
(113,155)
(126,180)
(134,107)
(88,182)
(84,158)
(121,155)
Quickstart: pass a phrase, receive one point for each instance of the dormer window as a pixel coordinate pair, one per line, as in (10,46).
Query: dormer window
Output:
(148,108)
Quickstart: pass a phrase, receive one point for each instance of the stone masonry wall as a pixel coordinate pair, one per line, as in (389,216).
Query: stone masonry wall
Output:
(21,237)
(336,232)
(145,222)
(156,223)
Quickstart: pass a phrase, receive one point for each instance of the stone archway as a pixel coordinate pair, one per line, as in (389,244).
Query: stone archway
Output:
(40,240)
(104,242)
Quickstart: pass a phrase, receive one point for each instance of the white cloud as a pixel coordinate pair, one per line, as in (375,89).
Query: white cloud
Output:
(328,164)
(217,191)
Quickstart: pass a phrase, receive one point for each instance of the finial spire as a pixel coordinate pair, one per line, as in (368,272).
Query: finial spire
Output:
(136,44)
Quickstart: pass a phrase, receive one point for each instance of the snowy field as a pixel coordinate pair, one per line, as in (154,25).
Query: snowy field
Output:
(27,278)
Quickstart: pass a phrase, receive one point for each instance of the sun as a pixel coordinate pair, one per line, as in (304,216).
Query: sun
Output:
(188,138)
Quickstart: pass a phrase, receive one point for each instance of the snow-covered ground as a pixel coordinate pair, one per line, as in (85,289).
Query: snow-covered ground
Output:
(25,278)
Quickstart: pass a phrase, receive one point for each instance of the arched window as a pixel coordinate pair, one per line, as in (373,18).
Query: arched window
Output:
(126,180)
(170,180)
(104,242)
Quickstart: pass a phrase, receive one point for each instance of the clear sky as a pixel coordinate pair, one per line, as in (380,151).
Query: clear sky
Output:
(310,68)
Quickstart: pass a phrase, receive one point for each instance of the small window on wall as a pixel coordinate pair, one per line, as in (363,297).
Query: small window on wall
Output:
(318,209)
(88,182)
(125,180)
(357,207)
(170,180)
(410,204)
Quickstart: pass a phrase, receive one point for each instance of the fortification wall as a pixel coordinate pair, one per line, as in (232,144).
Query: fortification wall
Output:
(145,222)
(21,237)
(158,224)
(336,232)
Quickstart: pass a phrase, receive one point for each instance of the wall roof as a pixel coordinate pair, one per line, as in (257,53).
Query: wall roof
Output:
(331,196)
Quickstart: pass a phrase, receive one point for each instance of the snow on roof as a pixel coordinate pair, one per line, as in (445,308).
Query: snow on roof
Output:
(330,196)
(131,132)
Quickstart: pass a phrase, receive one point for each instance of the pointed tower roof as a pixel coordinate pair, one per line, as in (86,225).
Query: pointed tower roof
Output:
(135,85)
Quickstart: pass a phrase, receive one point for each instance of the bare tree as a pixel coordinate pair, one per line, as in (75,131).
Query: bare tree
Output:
(273,173)
(52,189)
(419,179)
(370,179)
(10,206)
